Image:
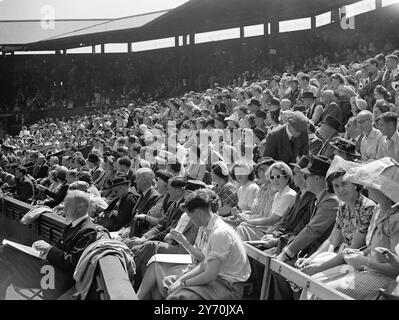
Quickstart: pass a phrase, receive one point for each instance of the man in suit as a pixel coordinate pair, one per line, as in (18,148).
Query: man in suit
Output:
(40,169)
(391,74)
(118,214)
(331,107)
(159,238)
(25,271)
(315,143)
(316,231)
(329,132)
(93,163)
(24,186)
(289,141)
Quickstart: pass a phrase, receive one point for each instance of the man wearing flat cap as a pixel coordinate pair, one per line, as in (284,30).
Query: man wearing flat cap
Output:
(289,141)
(329,132)
(93,163)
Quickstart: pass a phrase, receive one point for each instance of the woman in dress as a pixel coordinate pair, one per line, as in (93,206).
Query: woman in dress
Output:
(353,220)
(363,273)
(254,227)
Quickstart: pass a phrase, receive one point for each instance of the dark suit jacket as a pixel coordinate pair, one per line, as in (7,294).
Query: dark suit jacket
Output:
(66,252)
(41,172)
(318,229)
(144,204)
(278,145)
(166,224)
(124,216)
(332,110)
(97,174)
(296,219)
(57,197)
(25,190)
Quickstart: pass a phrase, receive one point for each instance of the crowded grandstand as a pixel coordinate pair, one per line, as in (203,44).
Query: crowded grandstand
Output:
(259,162)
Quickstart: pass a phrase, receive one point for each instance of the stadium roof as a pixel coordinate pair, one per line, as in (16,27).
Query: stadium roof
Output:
(192,17)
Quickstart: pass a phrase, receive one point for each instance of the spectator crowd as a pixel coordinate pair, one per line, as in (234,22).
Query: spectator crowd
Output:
(305,164)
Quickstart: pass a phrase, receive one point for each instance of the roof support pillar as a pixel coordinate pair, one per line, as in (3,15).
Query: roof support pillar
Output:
(93,49)
(102,48)
(178,67)
(129,47)
(378,4)
(192,61)
(313,22)
(273,41)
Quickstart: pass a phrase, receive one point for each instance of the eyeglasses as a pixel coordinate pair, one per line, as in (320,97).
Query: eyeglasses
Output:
(277,177)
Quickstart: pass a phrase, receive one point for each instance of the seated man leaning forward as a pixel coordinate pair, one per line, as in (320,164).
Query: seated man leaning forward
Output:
(25,271)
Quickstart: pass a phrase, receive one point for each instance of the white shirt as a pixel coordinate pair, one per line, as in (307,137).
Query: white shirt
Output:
(370,145)
(390,147)
(220,241)
(283,200)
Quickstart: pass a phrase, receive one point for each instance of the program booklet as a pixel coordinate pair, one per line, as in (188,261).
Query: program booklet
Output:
(28,250)
(171,258)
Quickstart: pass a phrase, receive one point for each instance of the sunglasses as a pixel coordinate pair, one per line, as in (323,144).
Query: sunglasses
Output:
(277,177)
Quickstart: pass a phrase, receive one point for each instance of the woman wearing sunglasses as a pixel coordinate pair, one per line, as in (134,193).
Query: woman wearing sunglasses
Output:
(254,228)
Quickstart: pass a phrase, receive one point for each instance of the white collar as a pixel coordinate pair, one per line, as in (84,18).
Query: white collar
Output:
(79,220)
(290,136)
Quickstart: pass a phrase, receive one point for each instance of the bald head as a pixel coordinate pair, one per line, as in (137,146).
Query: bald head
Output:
(144,178)
(76,204)
(328,96)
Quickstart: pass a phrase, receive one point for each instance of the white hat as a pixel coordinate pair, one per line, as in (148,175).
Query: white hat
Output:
(382,174)
(233,117)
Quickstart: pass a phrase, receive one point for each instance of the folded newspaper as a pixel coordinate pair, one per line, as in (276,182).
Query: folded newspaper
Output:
(20,247)
(171,258)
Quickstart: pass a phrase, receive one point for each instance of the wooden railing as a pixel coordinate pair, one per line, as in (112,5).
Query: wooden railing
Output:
(111,280)
(293,275)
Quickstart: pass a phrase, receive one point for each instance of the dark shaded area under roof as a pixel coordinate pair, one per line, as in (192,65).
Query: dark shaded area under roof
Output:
(192,17)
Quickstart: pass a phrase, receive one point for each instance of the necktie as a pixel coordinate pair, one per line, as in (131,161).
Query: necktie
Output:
(292,142)
(388,75)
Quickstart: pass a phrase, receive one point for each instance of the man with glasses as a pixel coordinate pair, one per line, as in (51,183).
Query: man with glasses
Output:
(372,139)
(316,231)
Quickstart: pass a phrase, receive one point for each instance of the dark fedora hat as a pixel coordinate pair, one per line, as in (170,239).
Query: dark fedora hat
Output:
(93,158)
(346,146)
(303,162)
(275,102)
(333,122)
(164,175)
(261,114)
(120,180)
(308,95)
(254,102)
(318,165)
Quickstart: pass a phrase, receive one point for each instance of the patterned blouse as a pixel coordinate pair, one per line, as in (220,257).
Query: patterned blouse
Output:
(227,194)
(264,201)
(358,220)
